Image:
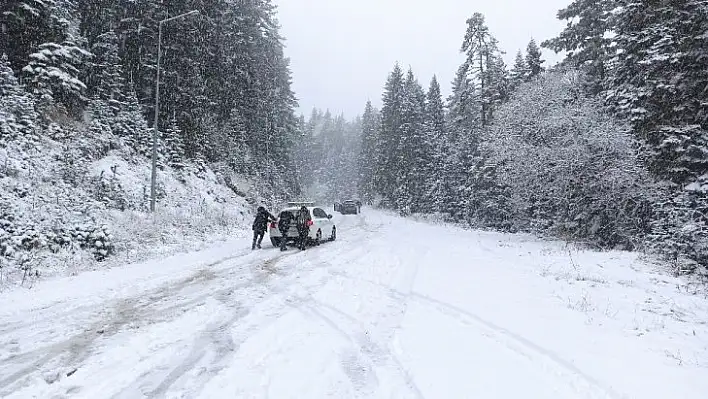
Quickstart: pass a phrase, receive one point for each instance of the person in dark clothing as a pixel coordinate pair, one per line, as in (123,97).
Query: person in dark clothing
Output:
(284,223)
(303,221)
(260,225)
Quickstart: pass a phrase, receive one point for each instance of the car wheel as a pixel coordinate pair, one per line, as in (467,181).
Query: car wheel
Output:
(334,233)
(275,241)
(318,238)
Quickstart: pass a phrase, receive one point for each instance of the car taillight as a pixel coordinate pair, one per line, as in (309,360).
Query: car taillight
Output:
(310,222)
(273,225)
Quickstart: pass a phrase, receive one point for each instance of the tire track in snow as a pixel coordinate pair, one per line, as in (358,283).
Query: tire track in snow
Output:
(360,364)
(47,313)
(215,345)
(69,353)
(583,384)
(56,360)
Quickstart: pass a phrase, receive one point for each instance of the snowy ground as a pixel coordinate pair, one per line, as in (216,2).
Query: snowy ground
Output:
(392,309)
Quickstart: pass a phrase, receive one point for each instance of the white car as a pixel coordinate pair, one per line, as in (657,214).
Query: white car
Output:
(322,227)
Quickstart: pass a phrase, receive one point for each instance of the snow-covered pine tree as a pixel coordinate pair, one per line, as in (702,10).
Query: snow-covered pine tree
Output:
(53,75)
(461,115)
(17,114)
(436,136)
(481,49)
(414,154)
(659,81)
(533,59)
(585,38)
(105,79)
(173,150)
(497,89)
(390,136)
(462,121)
(26,24)
(130,124)
(369,154)
(519,72)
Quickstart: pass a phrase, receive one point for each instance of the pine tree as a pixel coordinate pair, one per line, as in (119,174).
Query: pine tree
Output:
(664,101)
(17,114)
(533,59)
(106,77)
(390,136)
(461,113)
(520,72)
(413,154)
(173,150)
(436,135)
(497,89)
(585,38)
(26,24)
(369,155)
(130,125)
(481,50)
(53,74)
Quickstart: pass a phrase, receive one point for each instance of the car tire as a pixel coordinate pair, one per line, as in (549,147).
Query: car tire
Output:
(275,241)
(318,237)
(333,237)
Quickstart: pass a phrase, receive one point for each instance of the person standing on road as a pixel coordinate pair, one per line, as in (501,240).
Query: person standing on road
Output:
(303,221)
(260,225)
(284,223)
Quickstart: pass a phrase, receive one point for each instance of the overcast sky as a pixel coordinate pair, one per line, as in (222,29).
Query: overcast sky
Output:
(342,50)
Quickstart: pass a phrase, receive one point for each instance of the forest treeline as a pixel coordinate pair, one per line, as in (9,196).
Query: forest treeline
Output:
(609,147)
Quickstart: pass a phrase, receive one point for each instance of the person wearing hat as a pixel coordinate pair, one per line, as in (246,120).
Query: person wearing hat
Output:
(260,225)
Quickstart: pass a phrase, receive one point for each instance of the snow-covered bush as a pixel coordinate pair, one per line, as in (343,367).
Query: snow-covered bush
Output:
(567,167)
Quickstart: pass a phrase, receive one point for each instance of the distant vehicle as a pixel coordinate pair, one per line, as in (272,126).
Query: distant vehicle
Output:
(349,207)
(322,226)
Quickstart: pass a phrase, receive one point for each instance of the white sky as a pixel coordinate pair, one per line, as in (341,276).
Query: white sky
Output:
(342,50)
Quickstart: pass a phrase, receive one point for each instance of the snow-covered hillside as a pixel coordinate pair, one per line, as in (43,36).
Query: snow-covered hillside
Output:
(80,200)
(394,308)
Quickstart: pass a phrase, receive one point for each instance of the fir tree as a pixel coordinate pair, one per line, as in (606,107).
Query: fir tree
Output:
(132,127)
(26,24)
(533,60)
(585,38)
(369,155)
(436,135)
(520,72)
(17,114)
(53,74)
(390,136)
(173,145)
(461,114)
(664,101)
(106,77)
(481,50)
(414,154)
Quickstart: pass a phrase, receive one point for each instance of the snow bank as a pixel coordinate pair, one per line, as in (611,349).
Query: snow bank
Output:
(82,203)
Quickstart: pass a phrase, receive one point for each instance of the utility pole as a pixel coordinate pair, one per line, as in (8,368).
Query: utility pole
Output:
(155,130)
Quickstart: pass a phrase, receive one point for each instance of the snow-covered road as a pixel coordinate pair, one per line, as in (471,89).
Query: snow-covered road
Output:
(393,309)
